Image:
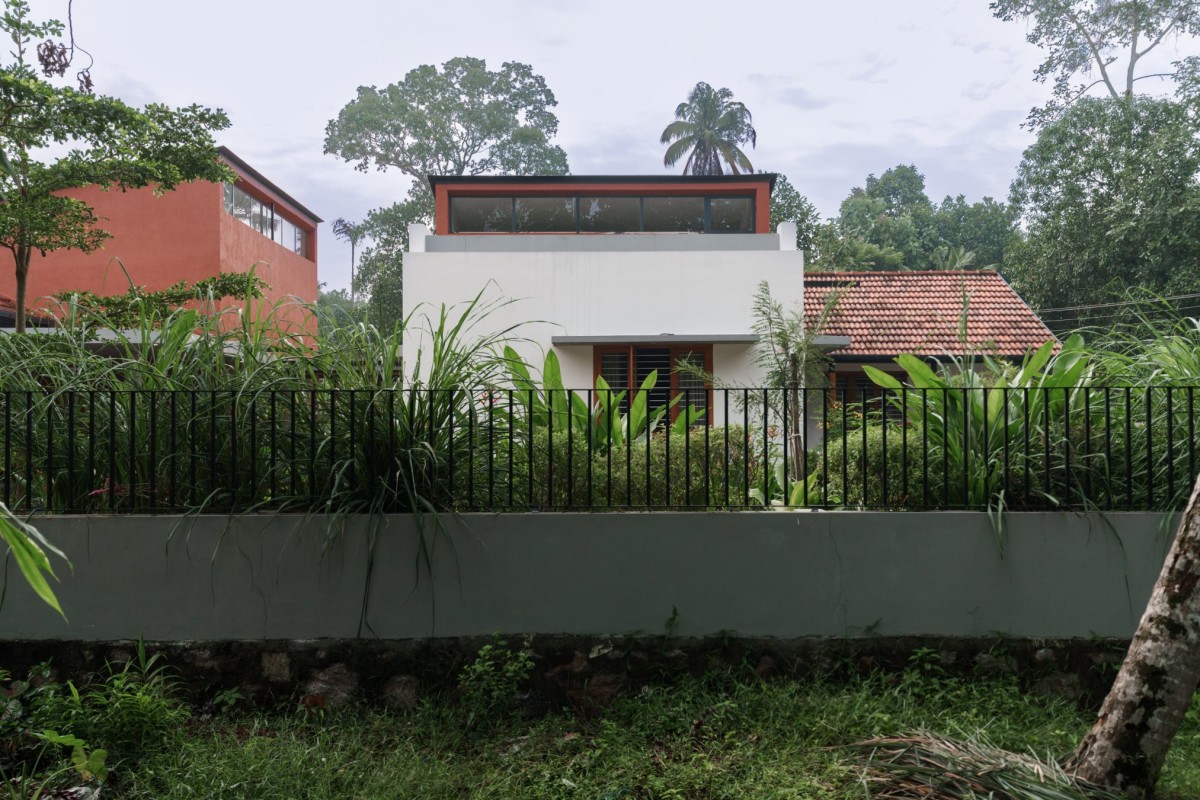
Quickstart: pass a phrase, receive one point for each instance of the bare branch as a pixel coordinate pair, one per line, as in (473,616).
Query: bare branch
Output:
(1099,59)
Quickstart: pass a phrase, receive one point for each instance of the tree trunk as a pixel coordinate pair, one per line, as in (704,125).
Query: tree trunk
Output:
(21,254)
(1126,747)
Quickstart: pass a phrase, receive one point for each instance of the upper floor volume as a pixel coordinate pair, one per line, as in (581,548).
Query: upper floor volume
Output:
(605,204)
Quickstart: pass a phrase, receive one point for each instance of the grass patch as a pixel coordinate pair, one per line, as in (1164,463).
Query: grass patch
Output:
(727,734)
(722,736)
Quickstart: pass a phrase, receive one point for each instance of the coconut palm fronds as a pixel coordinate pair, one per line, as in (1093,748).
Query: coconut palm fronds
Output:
(930,767)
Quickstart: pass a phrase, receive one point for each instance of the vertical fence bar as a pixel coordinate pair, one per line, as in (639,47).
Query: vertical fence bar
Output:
(48,471)
(1046,470)
(726,470)
(70,439)
(1067,447)
(687,448)
(1026,454)
(904,446)
(707,423)
(1108,487)
(746,446)
(470,397)
(8,449)
(272,445)
(212,444)
(883,432)
(491,459)
(511,432)
(112,450)
(1191,423)
(132,485)
(1004,398)
(925,447)
(252,497)
(90,483)
(945,447)
(1128,450)
(193,447)
(234,483)
(804,443)
(787,434)
(28,452)
(152,469)
(173,477)
(845,452)
(966,447)
(1149,450)
(987,452)
(293,462)
(529,444)
(766,462)
(1170,447)
(311,492)
(1087,445)
(862,406)
(825,447)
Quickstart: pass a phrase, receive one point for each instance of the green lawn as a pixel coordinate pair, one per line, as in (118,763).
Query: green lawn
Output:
(727,735)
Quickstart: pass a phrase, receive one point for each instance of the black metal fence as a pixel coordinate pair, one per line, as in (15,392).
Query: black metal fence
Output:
(363,450)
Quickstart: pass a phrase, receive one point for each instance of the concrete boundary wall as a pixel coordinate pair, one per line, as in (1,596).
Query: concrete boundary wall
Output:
(785,575)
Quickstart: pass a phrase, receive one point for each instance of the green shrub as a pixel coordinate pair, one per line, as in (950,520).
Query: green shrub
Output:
(490,683)
(840,465)
(707,468)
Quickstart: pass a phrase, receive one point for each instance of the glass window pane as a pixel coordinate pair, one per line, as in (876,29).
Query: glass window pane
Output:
(241,205)
(674,214)
(229,194)
(609,214)
(480,214)
(650,359)
(731,215)
(614,368)
(691,386)
(546,214)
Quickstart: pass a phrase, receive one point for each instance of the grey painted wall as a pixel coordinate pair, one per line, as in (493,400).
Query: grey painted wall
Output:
(775,574)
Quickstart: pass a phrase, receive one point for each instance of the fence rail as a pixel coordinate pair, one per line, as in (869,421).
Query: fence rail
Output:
(406,450)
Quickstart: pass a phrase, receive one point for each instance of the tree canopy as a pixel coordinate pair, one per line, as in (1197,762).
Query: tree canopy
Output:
(890,223)
(107,143)
(461,119)
(709,128)
(1109,195)
(1092,44)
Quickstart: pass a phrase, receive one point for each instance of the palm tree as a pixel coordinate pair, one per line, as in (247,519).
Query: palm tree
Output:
(354,233)
(708,129)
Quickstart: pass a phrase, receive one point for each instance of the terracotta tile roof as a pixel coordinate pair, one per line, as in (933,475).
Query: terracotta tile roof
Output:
(889,313)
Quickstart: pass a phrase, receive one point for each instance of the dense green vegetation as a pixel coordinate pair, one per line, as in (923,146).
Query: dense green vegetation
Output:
(728,734)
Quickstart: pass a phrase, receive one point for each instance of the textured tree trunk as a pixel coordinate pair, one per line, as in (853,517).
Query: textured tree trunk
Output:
(1126,747)
(22,255)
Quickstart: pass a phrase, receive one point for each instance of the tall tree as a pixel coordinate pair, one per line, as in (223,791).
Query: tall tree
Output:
(788,205)
(986,228)
(709,129)
(1097,45)
(351,232)
(1110,200)
(1127,746)
(463,119)
(106,142)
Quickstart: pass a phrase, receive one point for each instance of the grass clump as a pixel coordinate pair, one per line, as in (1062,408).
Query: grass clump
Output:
(723,735)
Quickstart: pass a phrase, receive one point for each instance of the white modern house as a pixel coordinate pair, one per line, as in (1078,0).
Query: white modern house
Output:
(619,275)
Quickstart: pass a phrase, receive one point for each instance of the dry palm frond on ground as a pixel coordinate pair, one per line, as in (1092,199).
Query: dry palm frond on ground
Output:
(932,767)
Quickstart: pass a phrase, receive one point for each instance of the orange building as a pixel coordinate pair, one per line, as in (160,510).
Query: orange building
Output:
(190,233)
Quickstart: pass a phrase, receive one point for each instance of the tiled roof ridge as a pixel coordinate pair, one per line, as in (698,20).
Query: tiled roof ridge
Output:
(880,273)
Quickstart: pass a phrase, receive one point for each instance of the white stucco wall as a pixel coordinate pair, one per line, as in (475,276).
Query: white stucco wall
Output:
(600,292)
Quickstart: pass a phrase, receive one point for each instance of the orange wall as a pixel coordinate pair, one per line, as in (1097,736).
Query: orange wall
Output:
(160,240)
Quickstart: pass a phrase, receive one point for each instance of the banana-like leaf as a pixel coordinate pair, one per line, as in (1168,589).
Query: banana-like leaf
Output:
(29,548)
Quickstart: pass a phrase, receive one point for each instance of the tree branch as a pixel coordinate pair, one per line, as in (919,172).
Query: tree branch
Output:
(1095,53)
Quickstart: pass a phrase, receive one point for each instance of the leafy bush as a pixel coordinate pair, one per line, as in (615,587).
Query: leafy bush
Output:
(490,683)
(704,468)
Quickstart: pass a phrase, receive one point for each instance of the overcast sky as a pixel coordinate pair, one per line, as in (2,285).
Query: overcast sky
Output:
(837,90)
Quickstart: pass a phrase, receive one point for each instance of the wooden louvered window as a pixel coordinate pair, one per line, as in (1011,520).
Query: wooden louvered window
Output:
(626,366)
